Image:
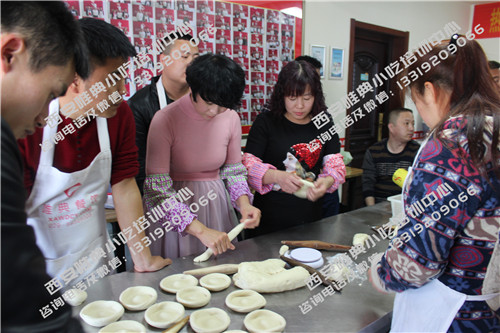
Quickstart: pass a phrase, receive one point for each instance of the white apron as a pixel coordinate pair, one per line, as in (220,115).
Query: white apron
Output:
(162,97)
(432,307)
(66,210)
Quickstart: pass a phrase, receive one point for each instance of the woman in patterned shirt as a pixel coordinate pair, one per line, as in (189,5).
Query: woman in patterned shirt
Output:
(444,262)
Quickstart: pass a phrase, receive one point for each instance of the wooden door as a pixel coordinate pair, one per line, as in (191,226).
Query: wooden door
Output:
(372,49)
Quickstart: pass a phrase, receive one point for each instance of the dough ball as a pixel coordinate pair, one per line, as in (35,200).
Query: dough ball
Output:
(75,297)
(359,239)
(283,249)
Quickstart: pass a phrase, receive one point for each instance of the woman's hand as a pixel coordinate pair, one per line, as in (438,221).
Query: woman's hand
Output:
(217,241)
(151,264)
(289,182)
(320,186)
(250,215)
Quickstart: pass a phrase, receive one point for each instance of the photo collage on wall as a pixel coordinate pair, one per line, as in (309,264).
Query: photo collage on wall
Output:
(260,40)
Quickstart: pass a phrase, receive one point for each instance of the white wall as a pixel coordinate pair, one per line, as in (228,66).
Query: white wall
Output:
(328,23)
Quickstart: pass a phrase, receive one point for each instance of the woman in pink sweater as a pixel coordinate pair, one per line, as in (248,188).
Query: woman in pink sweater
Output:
(194,156)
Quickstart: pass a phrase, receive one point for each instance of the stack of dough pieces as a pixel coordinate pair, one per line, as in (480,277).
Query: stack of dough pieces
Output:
(269,276)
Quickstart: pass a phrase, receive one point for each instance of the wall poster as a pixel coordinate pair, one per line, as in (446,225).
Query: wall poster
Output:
(260,40)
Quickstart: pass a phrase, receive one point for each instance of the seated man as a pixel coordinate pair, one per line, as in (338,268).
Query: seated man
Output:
(163,90)
(385,157)
(67,183)
(495,72)
(41,47)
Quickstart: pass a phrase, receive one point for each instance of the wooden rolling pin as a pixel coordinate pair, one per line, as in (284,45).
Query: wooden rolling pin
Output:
(224,268)
(178,326)
(292,262)
(316,244)
(232,235)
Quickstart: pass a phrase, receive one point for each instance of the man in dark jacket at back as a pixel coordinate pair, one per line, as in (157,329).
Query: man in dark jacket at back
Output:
(163,90)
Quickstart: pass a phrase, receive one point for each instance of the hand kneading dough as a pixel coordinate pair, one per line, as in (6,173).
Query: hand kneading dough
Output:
(101,313)
(302,192)
(264,321)
(193,297)
(269,276)
(75,297)
(174,283)
(245,301)
(138,298)
(215,281)
(129,326)
(211,320)
(164,314)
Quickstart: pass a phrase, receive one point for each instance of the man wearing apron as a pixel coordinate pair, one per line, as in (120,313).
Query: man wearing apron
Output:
(163,90)
(67,183)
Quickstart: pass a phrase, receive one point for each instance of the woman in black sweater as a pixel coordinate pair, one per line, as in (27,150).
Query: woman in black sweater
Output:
(288,134)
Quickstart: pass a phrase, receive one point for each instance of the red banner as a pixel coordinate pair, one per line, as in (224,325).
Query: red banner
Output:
(488,15)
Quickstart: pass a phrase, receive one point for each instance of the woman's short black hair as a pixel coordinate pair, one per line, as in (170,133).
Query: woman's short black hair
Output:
(293,80)
(217,79)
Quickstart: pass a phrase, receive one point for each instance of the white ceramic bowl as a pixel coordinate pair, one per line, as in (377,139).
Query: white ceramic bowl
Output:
(174,283)
(164,314)
(101,313)
(138,298)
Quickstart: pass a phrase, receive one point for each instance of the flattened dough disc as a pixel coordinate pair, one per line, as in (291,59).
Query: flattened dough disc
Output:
(193,297)
(264,321)
(101,313)
(164,314)
(138,298)
(215,281)
(129,326)
(211,320)
(174,283)
(75,297)
(245,301)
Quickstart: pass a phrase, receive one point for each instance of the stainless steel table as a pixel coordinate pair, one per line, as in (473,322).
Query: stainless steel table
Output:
(356,307)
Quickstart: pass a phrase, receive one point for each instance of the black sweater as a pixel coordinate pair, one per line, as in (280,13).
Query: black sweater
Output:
(270,139)
(23,264)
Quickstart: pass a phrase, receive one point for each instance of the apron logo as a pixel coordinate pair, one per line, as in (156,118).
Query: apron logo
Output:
(71,190)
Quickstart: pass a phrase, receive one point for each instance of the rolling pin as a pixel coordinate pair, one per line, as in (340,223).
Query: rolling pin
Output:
(224,268)
(292,262)
(232,235)
(318,245)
